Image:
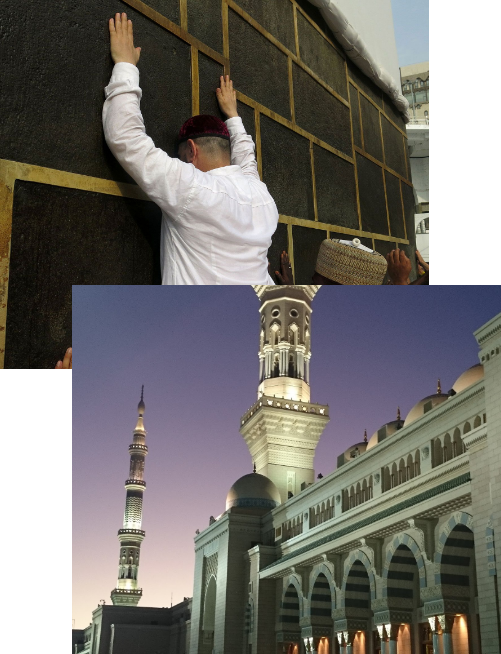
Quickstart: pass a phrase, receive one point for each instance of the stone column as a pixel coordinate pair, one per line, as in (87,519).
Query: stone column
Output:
(446,622)
(382,638)
(307,369)
(300,364)
(261,367)
(433,627)
(340,640)
(392,633)
(348,637)
(268,366)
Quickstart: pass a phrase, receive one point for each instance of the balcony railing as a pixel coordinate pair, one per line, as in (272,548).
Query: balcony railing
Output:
(419,121)
(280,403)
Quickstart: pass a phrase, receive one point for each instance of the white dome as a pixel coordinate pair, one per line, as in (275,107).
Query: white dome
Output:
(253,491)
(469,377)
(351,453)
(384,432)
(418,410)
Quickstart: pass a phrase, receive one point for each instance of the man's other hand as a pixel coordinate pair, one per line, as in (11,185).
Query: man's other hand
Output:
(66,362)
(122,41)
(227,97)
(286,268)
(399,267)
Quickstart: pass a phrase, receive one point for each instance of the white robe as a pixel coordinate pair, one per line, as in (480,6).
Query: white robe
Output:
(216,226)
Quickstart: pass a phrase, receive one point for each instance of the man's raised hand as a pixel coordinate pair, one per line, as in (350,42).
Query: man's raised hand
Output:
(122,41)
(227,97)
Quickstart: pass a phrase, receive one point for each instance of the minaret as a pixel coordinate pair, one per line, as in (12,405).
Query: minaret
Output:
(283,428)
(131,535)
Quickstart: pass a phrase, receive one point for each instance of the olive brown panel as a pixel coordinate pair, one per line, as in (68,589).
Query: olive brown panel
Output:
(313,115)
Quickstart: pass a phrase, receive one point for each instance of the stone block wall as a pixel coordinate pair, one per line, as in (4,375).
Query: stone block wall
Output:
(330,146)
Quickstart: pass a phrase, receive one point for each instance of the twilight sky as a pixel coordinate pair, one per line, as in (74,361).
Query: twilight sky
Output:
(195,350)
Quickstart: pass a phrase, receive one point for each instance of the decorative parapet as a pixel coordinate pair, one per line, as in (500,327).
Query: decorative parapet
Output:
(127,591)
(131,532)
(476,439)
(135,482)
(138,447)
(290,405)
(489,330)
(310,290)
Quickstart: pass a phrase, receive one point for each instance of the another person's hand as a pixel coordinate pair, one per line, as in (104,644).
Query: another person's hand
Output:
(227,97)
(66,362)
(286,268)
(399,267)
(122,41)
(421,262)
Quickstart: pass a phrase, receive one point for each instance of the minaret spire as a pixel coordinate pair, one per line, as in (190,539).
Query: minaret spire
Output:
(127,592)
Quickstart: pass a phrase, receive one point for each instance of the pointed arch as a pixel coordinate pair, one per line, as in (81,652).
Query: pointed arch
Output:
(321,601)
(409,542)
(361,559)
(209,617)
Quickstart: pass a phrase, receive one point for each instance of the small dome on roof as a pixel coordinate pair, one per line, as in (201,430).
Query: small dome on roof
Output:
(253,491)
(425,405)
(352,452)
(385,431)
(468,378)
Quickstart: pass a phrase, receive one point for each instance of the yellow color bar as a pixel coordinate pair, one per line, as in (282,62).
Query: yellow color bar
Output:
(465,163)
(465,238)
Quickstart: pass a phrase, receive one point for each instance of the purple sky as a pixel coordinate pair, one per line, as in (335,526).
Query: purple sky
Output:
(195,350)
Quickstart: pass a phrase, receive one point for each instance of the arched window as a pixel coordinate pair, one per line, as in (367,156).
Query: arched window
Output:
(477,422)
(209,616)
(293,334)
(364,491)
(387,479)
(417,463)
(358,494)
(466,428)
(437,452)
(370,488)
(457,443)
(401,471)
(448,453)
(274,333)
(394,479)
(352,497)
(409,468)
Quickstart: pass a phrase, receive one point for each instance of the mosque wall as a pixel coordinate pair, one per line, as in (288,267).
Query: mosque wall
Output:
(330,146)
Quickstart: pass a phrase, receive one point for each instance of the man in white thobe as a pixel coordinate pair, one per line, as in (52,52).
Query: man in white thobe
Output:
(217,216)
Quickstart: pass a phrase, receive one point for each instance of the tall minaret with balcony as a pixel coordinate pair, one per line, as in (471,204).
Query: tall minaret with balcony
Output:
(283,428)
(127,592)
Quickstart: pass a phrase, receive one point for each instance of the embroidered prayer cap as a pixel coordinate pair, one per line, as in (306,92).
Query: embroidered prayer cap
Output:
(203,125)
(349,262)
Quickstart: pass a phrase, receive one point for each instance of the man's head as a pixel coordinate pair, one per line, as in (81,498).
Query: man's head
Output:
(348,262)
(204,141)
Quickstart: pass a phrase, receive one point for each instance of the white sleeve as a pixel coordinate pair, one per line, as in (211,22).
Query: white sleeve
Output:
(165,180)
(242,147)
